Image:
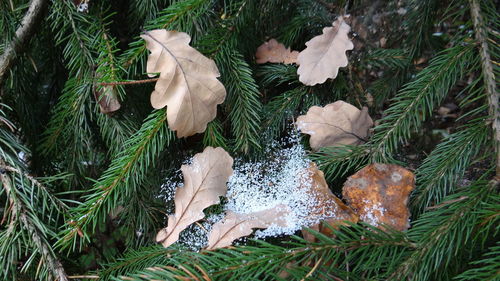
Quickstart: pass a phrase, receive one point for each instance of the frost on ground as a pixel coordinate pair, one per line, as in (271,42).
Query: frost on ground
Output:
(281,179)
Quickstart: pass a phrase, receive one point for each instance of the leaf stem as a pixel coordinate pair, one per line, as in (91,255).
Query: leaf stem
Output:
(144,81)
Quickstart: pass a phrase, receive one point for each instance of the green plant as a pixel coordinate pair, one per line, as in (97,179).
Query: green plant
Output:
(75,181)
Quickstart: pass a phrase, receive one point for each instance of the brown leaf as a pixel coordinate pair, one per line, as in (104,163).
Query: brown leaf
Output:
(107,98)
(204,181)
(236,225)
(325,54)
(328,207)
(379,193)
(188,83)
(275,52)
(336,123)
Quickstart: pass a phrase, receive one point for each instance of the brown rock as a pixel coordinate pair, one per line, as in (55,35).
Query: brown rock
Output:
(329,207)
(379,194)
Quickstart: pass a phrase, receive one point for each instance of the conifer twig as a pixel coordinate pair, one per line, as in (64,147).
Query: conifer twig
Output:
(489,77)
(22,37)
(144,81)
(52,262)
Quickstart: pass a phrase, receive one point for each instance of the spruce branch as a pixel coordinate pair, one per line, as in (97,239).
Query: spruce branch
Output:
(60,206)
(214,135)
(440,172)
(480,30)
(70,126)
(339,161)
(123,177)
(281,109)
(182,16)
(369,248)
(114,131)
(26,217)
(416,101)
(243,101)
(486,269)
(445,232)
(136,260)
(420,21)
(23,34)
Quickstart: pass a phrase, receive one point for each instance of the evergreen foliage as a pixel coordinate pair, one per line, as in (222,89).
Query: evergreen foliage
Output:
(80,190)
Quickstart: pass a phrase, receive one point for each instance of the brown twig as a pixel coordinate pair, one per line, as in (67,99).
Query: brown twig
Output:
(22,37)
(83,277)
(129,82)
(461,198)
(480,31)
(313,269)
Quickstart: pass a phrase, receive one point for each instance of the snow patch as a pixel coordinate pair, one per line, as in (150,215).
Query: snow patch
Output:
(281,179)
(372,213)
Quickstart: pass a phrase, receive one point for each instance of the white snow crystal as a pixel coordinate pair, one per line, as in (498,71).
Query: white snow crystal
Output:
(260,185)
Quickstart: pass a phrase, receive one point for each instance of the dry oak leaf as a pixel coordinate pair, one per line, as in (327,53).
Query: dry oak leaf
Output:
(107,98)
(188,83)
(275,52)
(329,208)
(237,225)
(336,123)
(324,54)
(379,193)
(204,181)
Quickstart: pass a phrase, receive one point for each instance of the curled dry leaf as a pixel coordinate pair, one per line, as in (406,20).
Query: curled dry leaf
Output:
(329,208)
(325,54)
(275,52)
(188,83)
(107,99)
(204,181)
(379,193)
(336,123)
(236,225)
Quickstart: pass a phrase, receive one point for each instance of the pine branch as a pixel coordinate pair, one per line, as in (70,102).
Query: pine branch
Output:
(387,85)
(144,81)
(243,101)
(387,58)
(488,76)
(114,131)
(487,269)
(190,16)
(22,37)
(440,172)
(145,10)
(123,177)
(340,161)
(355,245)
(136,260)
(214,136)
(10,146)
(418,98)
(447,231)
(76,31)
(278,74)
(420,21)
(310,17)
(23,208)
(282,109)
(69,128)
